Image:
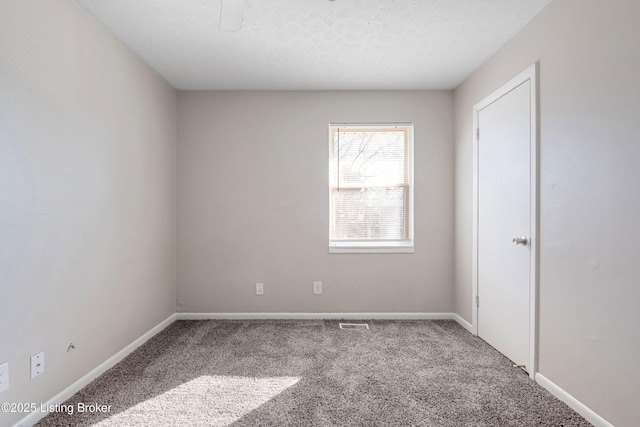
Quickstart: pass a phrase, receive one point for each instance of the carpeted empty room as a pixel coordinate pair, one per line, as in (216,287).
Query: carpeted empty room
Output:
(198,197)
(312,373)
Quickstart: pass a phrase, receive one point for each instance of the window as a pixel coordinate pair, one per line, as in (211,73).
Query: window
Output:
(371,188)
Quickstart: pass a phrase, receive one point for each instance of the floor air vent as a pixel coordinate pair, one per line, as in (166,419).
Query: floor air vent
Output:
(359,326)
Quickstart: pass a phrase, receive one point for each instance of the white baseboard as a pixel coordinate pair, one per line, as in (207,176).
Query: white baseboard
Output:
(59,398)
(350,316)
(462,322)
(572,402)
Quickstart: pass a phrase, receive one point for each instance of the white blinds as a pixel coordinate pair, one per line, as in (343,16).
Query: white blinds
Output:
(370,182)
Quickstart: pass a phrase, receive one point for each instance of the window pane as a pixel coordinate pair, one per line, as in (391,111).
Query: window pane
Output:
(369,214)
(370,158)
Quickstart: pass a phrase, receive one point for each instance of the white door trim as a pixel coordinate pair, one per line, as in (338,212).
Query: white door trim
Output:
(529,74)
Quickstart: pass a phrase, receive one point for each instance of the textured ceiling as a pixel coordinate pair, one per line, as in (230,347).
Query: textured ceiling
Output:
(316,44)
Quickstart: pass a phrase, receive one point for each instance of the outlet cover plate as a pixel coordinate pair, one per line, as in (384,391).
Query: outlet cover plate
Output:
(37,364)
(4,377)
(259,288)
(317,288)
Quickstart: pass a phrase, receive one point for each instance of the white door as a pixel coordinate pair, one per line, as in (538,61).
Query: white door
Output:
(504,213)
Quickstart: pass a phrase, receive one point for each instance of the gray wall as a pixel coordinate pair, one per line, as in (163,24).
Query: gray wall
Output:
(589,205)
(87,196)
(253,204)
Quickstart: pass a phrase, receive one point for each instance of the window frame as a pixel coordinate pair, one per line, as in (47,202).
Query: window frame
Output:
(375,246)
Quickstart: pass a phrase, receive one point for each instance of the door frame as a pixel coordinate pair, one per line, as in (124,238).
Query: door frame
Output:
(531,74)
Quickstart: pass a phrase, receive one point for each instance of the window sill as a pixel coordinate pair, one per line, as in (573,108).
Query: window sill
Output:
(371,248)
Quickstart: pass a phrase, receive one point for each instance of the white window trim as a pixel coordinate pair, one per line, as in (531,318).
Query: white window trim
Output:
(373,246)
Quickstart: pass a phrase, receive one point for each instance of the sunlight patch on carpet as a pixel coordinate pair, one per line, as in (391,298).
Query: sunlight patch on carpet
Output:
(206,400)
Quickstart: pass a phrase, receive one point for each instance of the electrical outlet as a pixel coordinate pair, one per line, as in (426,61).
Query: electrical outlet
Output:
(37,364)
(4,377)
(317,288)
(259,288)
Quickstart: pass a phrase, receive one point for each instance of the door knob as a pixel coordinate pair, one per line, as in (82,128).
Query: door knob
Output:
(520,241)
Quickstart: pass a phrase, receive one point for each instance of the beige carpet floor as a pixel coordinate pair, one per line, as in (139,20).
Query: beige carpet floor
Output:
(311,373)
